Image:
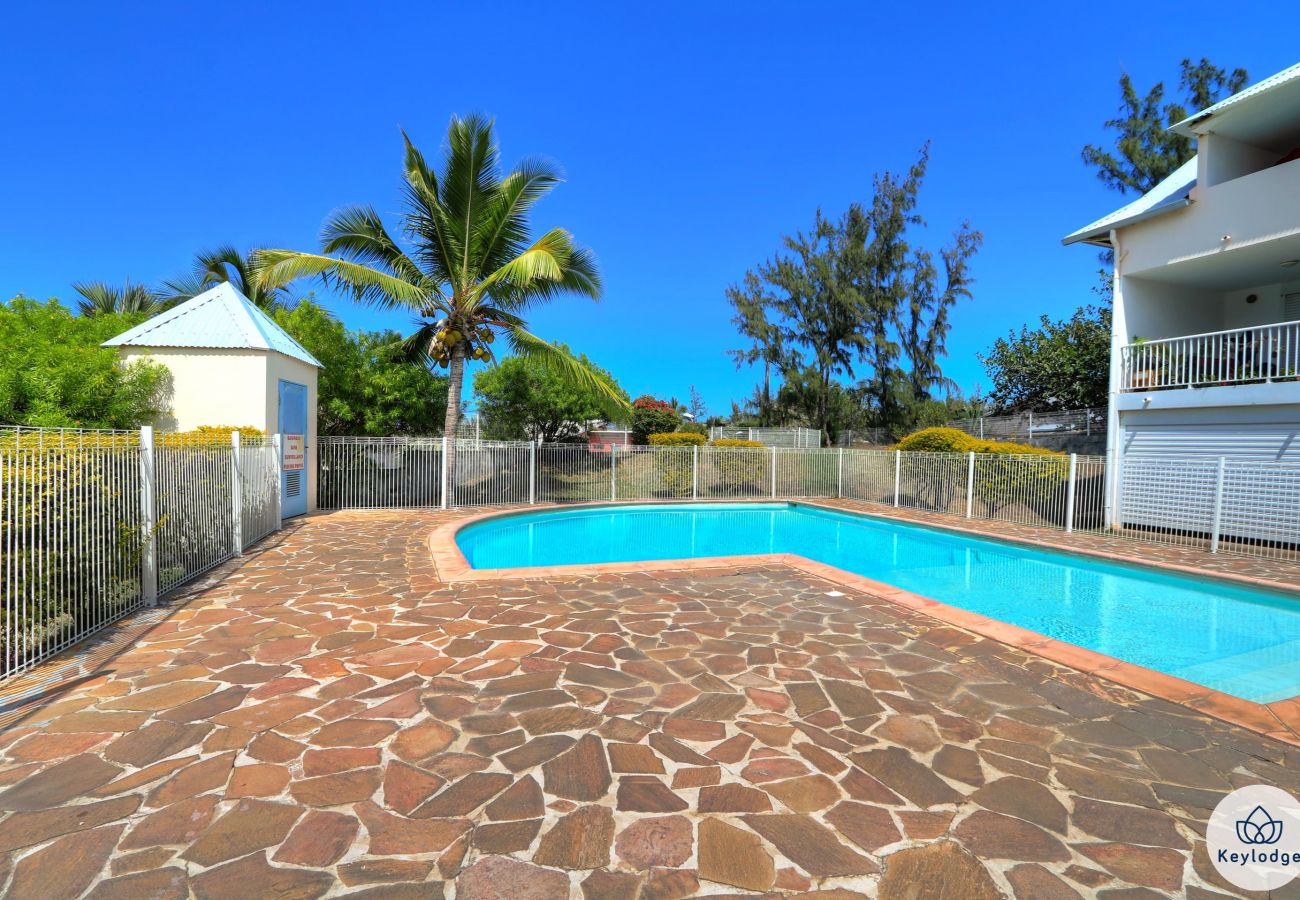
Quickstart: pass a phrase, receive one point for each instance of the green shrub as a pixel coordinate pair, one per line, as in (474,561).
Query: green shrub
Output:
(938,440)
(741,473)
(694,428)
(1005,479)
(677,439)
(1000,481)
(204,435)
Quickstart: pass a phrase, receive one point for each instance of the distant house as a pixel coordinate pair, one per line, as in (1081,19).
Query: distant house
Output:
(1205,350)
(231,364)
(604,439)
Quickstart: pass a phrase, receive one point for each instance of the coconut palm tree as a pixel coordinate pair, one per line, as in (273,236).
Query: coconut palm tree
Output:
(100,298)
(471,272)
(227,263)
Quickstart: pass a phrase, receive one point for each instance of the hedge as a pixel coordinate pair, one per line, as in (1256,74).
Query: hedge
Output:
(677,439)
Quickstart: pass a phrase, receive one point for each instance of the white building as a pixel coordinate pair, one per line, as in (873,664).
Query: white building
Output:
(1206,343)
(231,365)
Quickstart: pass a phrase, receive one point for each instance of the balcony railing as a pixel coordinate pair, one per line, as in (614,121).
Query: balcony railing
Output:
(1257,355)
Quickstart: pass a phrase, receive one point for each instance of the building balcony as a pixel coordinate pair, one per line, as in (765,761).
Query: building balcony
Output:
(1260,355)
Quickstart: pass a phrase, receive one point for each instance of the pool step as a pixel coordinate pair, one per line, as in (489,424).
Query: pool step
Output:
(1263,675)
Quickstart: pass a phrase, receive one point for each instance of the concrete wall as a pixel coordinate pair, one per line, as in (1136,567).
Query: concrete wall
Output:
(211,387)
(1154,310)
(1220,158)
(1255,207)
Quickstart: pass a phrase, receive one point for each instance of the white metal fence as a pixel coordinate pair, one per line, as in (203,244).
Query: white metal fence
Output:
(1172,500)
(1028,427)
(94,524)
(1241,356)
(1245,506)
(396,472)
(805,438)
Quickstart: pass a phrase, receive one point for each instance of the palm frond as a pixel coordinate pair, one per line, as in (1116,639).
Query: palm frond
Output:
(426,219)
(581,276)
(358,234)
(414,348)
(225,263)
(99,298)
(366,285)
(187,287)
(469,180)
(503,226)
(571,369)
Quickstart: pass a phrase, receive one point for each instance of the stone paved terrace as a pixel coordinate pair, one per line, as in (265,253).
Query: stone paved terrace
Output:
(324,718)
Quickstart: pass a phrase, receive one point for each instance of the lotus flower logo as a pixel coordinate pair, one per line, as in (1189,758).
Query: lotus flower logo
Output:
(1259,828)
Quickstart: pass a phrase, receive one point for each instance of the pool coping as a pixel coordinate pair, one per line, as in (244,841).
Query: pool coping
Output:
(1279,719)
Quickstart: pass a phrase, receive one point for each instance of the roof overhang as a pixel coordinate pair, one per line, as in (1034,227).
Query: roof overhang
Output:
(1174,193)
(1253,116)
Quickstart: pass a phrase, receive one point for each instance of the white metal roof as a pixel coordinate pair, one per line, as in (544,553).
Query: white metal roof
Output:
(1271,83)
(1172,193)
(219,318)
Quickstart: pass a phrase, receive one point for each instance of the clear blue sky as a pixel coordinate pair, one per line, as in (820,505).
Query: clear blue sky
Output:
(693,135)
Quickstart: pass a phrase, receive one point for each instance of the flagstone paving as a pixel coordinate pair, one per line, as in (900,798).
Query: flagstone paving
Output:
(324,718)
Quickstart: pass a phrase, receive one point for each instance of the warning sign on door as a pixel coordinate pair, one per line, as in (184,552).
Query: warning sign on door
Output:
(295,458)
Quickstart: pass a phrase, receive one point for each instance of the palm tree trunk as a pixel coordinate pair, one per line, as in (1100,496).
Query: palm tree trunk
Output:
(455,378)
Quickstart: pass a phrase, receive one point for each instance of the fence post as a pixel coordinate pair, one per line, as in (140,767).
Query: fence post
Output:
(773,473)
(532,472)
(442,474)
(839,476)
(898,473)
(1218,504)
(148,519)
(970,484)
(236,497)
(1031,428)
(277,445)
(695,472)
(1069,493)
(613,470)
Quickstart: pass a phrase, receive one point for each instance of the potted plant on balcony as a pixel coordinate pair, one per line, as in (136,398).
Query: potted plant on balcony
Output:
(1148,365)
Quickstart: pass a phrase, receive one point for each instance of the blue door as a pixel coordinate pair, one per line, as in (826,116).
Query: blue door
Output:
(293,449)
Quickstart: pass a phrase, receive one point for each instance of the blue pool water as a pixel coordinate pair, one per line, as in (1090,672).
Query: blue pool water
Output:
(1238,640)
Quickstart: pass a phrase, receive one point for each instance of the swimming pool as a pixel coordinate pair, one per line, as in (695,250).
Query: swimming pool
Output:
(1236,639)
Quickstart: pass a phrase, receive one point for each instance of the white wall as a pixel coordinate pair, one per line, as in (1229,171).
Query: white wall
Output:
(211,387)
(1220,158)
(1259,206)
(1153,310)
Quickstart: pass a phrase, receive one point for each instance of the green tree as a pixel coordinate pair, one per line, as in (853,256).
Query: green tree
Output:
(820,320)
(471,273)
(698,408)
(852,291)
(1146,152)
(54,373)
(754,306)
(367,386)
(228,264)
(99,298)
(652,416)
(520,398)
(1058,365)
